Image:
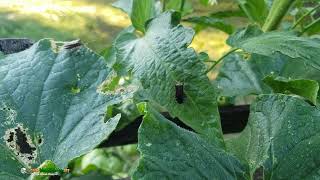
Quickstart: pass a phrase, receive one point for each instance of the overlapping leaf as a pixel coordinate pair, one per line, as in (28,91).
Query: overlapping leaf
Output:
(50,108)
(161,60)
(170,152)
(207,21)
(282,135)
(276,53)
(302,87)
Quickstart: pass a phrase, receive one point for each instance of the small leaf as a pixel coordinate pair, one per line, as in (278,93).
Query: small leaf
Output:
(142,11)
(211,22)
(302,87)
(203,56)
(139,11)
(170,152)
(208,2)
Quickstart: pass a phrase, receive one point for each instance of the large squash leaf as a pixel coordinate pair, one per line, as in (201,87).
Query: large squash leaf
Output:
(282,135)
(277,53)
(286,43)
(161,60)
(49,106)
(170,152)
(240,77)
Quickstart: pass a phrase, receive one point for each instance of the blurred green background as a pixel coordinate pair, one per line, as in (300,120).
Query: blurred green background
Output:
(95,22)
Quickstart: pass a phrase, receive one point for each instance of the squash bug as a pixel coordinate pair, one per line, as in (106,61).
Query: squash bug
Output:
(73,44)
(180,96)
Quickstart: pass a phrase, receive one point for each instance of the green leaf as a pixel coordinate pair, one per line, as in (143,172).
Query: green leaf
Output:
(211,22)
(256,10)
(114,54)
(203,56)
(208,2)
(170,152)
(239,76)
(243,34)
(128,111)
(139,11)
(228,14)
(100,160)
(114,161)
(275,53)
(41,118)
(161,60)
(124,5)
(282,135)
(302,87)
(286,43)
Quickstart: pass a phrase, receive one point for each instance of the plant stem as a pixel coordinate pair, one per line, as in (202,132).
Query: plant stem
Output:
(304,16)
(310,26)
(220,59)
(164,5)
(182,5)
(278,10)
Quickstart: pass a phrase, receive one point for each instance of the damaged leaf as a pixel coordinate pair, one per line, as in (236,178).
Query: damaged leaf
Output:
(41,118)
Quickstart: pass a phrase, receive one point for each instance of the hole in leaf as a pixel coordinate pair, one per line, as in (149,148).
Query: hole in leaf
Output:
(20,143)
(10,139)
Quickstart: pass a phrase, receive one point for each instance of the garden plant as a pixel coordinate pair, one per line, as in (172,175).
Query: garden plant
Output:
(60,100)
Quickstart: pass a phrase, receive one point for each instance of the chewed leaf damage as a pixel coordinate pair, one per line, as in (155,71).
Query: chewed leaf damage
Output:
(20,143)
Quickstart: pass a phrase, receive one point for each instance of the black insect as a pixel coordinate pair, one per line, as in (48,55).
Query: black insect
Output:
(180,96)
(73,44)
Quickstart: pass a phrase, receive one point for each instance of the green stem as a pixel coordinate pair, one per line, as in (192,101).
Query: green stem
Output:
(304,16)
(278,10)
(210,61)
(310,26)
(182,5)
(220,59)
(164,5)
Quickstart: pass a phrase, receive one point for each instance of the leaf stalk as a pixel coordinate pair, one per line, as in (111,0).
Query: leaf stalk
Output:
(304,16)
(182,6)
(221,58)
(278,10)
(310,26)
